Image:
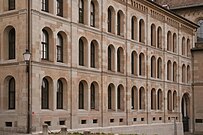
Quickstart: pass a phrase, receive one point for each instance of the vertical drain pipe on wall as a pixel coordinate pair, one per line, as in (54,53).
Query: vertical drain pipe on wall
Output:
(29,115)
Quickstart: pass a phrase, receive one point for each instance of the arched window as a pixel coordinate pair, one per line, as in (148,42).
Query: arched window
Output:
(118,97)
(175,72)
(183,46)
(93,55)
(93,96)
(169,99)
(159,99)
(111,20)
(153,35)
(159,37)
(188,74)
(183,73)
(153,67)
(174,43)
(111,57)
(11,94)
(141,98)
(59,94)
(11,4)
(120,23)
(133,28)
(134,63)
(153,99)
(141,64)
(159,68)
(188,47)
(92,14)
(81,11)
(174,100)
(45,5)
(200,31)
(81,52)
(169,41)
(45,45)
(111,97)
(59,48)
(81,96)
(134,98)
(169,70)
(120,59)
(141,31)
(45,94)
(11,43)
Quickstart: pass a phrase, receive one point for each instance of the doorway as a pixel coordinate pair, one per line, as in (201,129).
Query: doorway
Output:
(185,105)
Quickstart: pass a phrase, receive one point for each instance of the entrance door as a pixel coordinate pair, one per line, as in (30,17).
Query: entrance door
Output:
(185,112)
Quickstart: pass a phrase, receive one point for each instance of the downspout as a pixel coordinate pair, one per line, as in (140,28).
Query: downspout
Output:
(29,115)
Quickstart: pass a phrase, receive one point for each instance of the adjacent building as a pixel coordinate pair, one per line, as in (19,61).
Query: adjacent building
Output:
(95,63)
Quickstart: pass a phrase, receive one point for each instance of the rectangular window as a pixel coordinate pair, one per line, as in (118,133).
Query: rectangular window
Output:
(48,123)
(95,121)
(83,122)
(11,4)
(60,7)
(8,124)
(45,5)
(62,122)
(198,120)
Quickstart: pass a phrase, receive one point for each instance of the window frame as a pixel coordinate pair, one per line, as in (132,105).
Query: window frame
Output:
(81,99)
(45,5)
(92,14)
(11,43)
(59,47)
(59,94)
(59,7)
(11,94)
(81,11)
(45,45)
(45,94)
(11,4)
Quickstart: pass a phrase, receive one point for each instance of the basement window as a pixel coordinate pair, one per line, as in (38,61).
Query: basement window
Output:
(48,123)
(8,124)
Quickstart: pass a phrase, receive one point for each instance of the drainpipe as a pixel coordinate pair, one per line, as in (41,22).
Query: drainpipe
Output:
(29,115)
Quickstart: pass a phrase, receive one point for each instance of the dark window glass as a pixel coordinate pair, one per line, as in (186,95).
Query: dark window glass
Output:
(59,4)
(132,64)
(11,94)
(109,58)
(45,94)
(109,98)
(81,52)
(118,24)
(118,60)
(11,41)
(81,96)
(92,59)
(11,4)
(59,95)
(119,98)
(109,20)
(59,48)
(92,15)
(93,96)
(132,98)
(45,45)
(81,11)
(45,5)
(132,28)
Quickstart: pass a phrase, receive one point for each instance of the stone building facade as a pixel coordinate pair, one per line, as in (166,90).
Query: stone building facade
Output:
(94,63)
(193,11)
